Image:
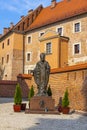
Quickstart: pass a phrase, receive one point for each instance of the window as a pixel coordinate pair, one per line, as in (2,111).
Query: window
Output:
(29,71)
(2,60)
(18,28)
(60,31)
(41,33)
(23,25)
(28,56)
(8,41)
(2,45)
(29,39)
(77,27)
(77,49)
(48,48)
(7,58)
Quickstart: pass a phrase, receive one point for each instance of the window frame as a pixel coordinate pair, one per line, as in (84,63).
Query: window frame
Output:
(8,42)
(79,27)
(27,57)
(59,28)
(29,72)
(79,43)
(48,53)
(28,40)
(42,34)
(3,45)
(2,60)
(7,58)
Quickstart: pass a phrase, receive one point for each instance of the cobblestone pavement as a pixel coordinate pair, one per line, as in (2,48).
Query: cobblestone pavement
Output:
(9,120)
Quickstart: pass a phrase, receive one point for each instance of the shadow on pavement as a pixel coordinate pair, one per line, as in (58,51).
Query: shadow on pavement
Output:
(9,100)
(80,123)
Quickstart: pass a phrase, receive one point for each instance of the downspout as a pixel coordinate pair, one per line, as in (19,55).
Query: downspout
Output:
(59,52)
(23,52)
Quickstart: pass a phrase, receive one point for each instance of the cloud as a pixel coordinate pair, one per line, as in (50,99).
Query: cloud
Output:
(19,6)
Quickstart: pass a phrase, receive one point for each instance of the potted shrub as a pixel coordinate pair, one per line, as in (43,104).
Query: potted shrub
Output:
(65,103)
(31,94)
(49,91)
(17,99)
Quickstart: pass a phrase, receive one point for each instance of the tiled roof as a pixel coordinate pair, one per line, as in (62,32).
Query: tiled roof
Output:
(25,76)
(69,68)
(63,10)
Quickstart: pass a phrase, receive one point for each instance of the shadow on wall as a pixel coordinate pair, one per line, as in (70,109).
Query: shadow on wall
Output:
(59,122)
(84,92)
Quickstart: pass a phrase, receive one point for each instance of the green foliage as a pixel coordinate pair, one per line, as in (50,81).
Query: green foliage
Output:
(49,91)
(18,95)
(65,100)
(31,93)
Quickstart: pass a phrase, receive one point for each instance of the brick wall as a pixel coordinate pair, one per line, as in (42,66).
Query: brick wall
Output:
(75,81)
(7,88)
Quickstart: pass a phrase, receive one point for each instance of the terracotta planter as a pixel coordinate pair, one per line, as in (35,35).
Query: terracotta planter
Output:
(23,106)
(17,108)
(65,110)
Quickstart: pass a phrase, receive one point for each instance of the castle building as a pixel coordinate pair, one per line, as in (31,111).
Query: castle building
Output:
(59,30)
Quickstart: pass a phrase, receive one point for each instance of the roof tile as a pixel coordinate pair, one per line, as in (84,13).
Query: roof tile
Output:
(62,10)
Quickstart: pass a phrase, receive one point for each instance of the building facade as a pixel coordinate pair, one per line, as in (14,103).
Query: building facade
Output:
(11,55)
(62,24)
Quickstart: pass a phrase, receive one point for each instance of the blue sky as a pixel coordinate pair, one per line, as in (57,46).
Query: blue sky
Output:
(11,10)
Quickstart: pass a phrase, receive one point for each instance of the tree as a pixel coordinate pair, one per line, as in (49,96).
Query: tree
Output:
(18,95)
(49,91)
(31,93)
(65,101)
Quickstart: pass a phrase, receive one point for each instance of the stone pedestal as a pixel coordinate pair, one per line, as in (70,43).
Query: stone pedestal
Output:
(41,103)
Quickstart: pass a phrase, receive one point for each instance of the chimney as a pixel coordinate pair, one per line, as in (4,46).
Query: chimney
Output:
(0,35)
(22,16)
(5,30)
(30,11)
(53,3)
(11,25)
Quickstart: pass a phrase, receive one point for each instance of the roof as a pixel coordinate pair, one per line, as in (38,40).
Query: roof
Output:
(63,10)
(25,76)
(23,23)
(69,68)
(45,16)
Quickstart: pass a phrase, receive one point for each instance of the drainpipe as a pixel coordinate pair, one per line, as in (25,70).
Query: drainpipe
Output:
(59,51)
(23,52)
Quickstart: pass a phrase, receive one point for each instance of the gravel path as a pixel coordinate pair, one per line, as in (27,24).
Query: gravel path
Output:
(10,120)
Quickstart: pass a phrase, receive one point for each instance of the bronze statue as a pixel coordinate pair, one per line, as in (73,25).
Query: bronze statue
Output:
(41,75)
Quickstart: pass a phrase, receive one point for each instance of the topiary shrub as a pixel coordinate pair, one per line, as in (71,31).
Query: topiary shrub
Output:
(49,91)
(31,93)
(65,100)
(18,95)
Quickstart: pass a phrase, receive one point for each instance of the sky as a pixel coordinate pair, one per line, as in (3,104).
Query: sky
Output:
(12,10)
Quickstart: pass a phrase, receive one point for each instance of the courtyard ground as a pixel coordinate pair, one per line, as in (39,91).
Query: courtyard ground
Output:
(9,120)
